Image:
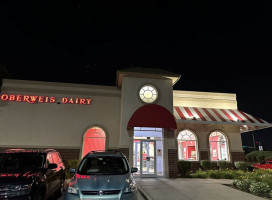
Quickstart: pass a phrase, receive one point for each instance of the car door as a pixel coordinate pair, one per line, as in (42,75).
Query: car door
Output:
(59,170)
(50,174)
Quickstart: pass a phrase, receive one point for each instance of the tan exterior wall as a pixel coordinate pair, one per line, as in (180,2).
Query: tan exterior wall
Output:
(204,99)
(57,125)
(62,126)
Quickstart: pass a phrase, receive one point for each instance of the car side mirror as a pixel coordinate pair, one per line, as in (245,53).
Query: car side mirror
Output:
(52,166)
(72,170)
(134,169)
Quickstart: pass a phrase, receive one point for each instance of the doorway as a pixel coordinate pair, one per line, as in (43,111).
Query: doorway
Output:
(148,151)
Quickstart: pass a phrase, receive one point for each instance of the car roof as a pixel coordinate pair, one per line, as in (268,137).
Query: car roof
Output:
(105,153)
(30,150)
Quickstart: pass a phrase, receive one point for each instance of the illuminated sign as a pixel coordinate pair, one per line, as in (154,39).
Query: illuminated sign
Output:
(44,99)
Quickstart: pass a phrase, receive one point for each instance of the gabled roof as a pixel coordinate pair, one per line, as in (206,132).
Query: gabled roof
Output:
(144,72)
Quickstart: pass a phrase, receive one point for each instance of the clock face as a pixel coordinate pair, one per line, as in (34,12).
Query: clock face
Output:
(148,93)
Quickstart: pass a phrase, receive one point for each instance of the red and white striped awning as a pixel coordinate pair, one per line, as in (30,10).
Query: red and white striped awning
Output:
(219,116)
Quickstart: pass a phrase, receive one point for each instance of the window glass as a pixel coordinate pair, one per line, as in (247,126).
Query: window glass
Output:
(94,140)
(187,145)
(56,158)
(21,161)
(218,146)
(50,158)
(103,165)
(148,94)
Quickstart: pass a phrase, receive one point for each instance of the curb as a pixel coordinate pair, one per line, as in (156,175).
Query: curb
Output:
(144,193)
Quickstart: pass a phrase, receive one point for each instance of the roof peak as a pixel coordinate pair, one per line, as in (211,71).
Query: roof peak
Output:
(145,72)
(148,70)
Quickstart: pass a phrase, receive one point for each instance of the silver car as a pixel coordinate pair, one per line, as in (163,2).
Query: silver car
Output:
(102,175)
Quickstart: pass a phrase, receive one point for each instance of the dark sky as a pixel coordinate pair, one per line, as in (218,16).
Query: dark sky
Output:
(216,46)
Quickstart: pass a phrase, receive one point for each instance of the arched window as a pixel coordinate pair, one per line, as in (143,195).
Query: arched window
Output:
(94,140)
(187,146)
(218,146)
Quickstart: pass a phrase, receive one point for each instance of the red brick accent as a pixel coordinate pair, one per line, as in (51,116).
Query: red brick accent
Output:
(237,156)
(69,154)
(2,149)
(173,163)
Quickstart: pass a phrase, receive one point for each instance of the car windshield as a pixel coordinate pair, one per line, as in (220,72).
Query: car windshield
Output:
(15,161)
(103,165)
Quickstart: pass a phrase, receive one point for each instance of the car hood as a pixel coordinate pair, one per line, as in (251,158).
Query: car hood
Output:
(101,182)
(18,176)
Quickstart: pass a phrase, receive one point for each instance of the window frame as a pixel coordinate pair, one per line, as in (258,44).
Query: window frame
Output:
(84,136)
(196,145)
(226,143)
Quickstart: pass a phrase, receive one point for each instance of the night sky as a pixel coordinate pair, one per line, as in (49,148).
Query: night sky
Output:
(216,46)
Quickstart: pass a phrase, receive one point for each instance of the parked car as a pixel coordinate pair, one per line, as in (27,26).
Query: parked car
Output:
(265,164)
(31,174)
(102,175)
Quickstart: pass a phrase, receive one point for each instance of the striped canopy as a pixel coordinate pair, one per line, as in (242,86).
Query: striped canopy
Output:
(246,121)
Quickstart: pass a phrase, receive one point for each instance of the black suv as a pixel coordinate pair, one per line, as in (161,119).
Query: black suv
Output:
(31,174)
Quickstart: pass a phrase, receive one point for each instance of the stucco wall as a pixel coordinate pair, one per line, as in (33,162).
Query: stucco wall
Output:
(204,99)
(57,125)
(130,101)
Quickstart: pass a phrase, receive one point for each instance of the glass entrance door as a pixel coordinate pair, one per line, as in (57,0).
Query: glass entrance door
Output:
(144,157)
(148,158)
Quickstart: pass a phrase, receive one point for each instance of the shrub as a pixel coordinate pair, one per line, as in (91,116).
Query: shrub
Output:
(206,164)
(226,174)
(237,174)
(241,165)
(70,164)
(259,188)
(270,194)
(252,156)
(214,174)
(199,174)
(222,164)
(234,183)
(184,167)
(243,184)
(260,158)
(268,158)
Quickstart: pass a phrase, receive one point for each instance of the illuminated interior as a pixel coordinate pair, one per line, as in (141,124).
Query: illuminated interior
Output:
(94,140)
(148,151)
(218,146)
(187,145)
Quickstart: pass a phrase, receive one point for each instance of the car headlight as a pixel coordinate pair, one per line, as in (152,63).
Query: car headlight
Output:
(72,190)
(130,188)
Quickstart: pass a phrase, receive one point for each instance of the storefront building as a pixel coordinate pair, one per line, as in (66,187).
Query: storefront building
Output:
(142,116)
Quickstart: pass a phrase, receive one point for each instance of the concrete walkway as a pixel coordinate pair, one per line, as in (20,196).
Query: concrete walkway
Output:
(190,189)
